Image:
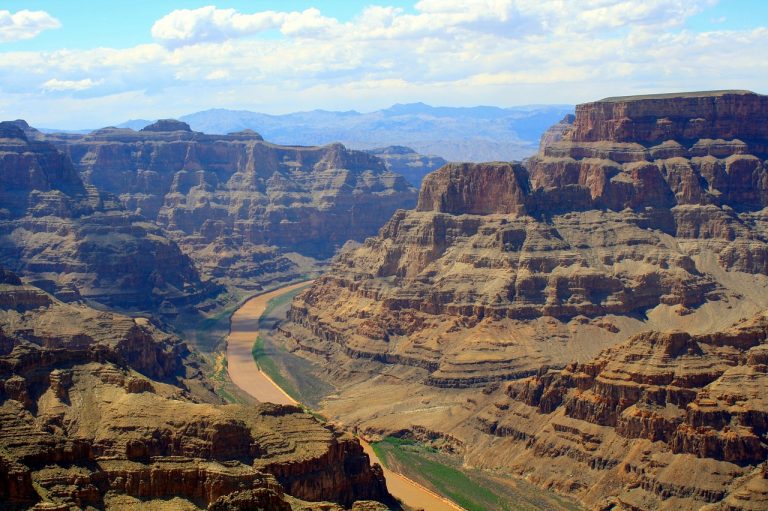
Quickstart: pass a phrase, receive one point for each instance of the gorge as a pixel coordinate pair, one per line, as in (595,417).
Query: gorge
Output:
(101,410)
(591,319)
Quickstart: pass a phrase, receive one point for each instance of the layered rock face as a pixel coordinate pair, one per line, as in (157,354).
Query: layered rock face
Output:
(99,410)
(687,116)
(243,209)
(66,235)
(506,270)
(662,421)
(607,237)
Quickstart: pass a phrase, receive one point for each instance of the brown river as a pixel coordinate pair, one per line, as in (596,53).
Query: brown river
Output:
(246,374)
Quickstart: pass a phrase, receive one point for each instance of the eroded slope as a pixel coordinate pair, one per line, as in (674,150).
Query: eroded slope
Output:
(99,410)
(644,214)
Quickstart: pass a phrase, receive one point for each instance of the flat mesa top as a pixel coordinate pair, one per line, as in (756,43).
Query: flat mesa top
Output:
(671,95)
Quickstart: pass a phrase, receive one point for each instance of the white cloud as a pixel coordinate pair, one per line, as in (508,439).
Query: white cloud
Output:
(68,85)
(470,51)
(310,24)
(25,24)
(209,24)
(218,74)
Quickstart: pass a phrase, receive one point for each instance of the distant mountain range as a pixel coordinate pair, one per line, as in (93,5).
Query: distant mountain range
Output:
(482,133)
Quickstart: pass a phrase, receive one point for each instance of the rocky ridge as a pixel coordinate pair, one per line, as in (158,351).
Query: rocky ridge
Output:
(592,236)
(102,411)
(507,270)
(246,211)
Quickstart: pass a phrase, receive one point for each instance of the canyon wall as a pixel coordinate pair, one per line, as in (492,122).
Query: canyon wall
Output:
(246,211)
(661,421)
(641,213)
(75,241)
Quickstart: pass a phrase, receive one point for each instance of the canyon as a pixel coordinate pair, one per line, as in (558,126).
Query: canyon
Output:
(591,319)
(247,212)
(104,411)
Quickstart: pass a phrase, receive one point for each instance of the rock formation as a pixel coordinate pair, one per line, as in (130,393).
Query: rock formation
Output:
(555,132)
(598,234)
(246,211)
(662,421)
(407,162)
(642,213)
(106,411)
(688,116)
(68,236)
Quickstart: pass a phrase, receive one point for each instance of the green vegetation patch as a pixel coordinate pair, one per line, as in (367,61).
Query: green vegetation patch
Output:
(267,364)
(442,478)
(294,374)
(472,489)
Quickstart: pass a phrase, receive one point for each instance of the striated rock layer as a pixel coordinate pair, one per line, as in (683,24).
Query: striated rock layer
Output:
(641,213)
(598,240)
(245,210)
(99,410)
(73,240)
(662,421)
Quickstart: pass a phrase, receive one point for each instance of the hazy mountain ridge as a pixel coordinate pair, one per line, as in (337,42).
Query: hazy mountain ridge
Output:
(482,133)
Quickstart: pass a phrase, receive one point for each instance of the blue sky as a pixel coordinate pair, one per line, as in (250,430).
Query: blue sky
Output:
(77,64)
(123,24)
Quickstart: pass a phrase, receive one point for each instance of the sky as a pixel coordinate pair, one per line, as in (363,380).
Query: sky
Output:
(81,64)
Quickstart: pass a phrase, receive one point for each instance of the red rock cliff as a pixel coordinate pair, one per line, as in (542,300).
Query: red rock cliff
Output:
(477,189)
(685,116)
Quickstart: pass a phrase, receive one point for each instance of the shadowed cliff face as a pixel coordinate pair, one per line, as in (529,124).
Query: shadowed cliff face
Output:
(237,205)
(103,410)
(505,269)
(68,235)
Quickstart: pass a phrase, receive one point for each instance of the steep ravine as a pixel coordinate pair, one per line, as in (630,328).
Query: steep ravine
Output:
(246,374)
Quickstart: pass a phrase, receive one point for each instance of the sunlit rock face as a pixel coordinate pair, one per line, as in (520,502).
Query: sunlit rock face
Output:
(641,213)
(100,410)
(586,229)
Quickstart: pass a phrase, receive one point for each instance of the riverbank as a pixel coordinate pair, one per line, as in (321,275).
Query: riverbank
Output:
(242,369)
(244,329)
